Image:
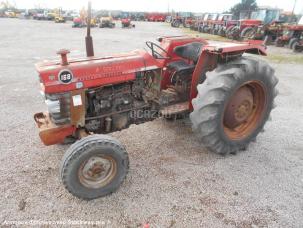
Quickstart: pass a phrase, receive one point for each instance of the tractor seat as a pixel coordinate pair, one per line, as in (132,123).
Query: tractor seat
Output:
(189,51)
(181,67)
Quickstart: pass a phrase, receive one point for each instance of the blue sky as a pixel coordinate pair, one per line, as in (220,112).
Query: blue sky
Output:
(157,5)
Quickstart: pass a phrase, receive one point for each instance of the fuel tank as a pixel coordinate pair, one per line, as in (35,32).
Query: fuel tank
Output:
(56,77)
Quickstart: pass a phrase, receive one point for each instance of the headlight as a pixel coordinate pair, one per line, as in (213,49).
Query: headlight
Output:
(53,106)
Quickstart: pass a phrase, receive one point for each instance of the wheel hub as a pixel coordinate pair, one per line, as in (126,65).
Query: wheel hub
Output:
(239,108)
(244,110)
(96,171)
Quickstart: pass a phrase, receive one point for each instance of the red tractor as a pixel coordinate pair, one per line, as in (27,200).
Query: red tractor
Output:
(229,98)
(78,23)
(196,21)
(293,37)
(205,24)
(267,23)
(156,17)
(183,18)
(126,23)
(236,32)
(217,25)
(226,27)
(269,32)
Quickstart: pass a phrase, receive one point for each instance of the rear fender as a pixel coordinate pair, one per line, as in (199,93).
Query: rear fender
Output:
(209,58)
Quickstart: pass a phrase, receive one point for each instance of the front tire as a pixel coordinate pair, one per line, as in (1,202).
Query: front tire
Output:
(94,166)
(233,104)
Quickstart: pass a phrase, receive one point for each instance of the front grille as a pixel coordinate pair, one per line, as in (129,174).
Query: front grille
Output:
(58,107)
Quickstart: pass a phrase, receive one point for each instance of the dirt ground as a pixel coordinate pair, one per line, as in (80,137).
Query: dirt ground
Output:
(173,181)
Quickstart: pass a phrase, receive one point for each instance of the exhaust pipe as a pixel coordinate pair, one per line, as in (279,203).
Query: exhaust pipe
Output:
(88,38)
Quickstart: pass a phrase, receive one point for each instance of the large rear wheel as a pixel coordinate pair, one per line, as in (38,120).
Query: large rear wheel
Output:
(233,104)
(297,46)
(248,33)
(233,33)
(94,166)
(291,42)
(221,31)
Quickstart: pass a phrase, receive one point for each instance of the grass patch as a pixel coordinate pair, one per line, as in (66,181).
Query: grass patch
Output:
(205,35)
(298,58)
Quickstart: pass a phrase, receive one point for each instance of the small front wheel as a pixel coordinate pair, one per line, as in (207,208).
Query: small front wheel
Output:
(94,166)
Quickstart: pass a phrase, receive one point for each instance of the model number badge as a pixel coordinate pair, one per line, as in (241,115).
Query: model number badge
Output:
(65,76)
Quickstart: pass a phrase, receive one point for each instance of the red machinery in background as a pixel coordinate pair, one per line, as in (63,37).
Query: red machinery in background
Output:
(293,37)
(185,19)
(156,17)
(236,32)
(126,23)
(217,23)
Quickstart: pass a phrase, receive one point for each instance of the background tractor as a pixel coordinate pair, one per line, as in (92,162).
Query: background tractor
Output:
(156,17)
(214,23)
(197,18)
(271,28)
(78,23)
(228,97)
(204,25)
(292,36)
(59,18)
(182,18)
(240,30)
(269,25)
(217,26)
(254,28)
(126,21)
(106,21)
(227,26)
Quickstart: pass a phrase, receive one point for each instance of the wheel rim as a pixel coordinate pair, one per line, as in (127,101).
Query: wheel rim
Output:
(97,171)
(245,110)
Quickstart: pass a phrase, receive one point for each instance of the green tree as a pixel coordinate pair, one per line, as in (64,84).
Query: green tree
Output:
(244,6)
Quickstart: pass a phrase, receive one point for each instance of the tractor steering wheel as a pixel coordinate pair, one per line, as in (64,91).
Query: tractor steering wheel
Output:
(155,53)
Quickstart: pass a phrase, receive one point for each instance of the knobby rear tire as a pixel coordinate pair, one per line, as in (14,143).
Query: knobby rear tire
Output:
(214,94)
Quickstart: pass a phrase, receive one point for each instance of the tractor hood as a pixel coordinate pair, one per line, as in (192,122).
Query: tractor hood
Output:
(57,77)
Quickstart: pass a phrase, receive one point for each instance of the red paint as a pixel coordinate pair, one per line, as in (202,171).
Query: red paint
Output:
(249,23)
(160,17)
(93,71)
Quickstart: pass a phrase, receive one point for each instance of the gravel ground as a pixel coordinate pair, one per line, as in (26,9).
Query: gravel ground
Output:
(173,181)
